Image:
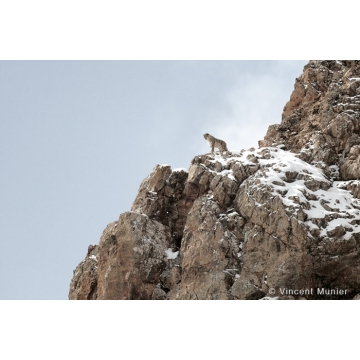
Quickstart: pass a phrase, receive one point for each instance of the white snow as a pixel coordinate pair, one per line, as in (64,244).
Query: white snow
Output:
(339,201)
(170,254)
(335,201)
(93,257)
(228,173)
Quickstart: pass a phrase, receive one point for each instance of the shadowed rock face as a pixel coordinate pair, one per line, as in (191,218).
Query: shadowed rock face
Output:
(281,221)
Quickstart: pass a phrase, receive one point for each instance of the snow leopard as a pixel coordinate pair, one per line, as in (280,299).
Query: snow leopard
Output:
(216,143)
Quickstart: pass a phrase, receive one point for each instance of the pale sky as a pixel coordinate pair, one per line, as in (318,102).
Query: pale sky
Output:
(78,137)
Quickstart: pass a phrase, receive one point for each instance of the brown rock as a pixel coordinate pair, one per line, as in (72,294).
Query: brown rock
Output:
(209,252)
(321,120)
(132,259)
(83,285)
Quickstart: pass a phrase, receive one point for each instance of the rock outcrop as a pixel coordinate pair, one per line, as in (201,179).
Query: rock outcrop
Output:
(281,221)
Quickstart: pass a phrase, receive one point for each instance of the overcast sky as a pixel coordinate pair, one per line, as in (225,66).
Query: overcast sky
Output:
(78,137)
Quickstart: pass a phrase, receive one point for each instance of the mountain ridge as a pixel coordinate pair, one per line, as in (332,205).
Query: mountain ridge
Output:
(278,222)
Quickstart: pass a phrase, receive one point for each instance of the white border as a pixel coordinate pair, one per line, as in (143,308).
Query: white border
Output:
(176,30)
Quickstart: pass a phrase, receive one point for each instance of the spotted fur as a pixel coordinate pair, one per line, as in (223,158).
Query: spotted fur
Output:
(216,143)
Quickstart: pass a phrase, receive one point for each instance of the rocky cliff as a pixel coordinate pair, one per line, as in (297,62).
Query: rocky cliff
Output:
(281,221)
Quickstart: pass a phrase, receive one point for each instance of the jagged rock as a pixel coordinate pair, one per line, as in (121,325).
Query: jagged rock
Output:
(209,252)
(321,121)
(352,186)
(251,224)
(83,285)
(133,258)
(158,294)
(350,169)
(164,197)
